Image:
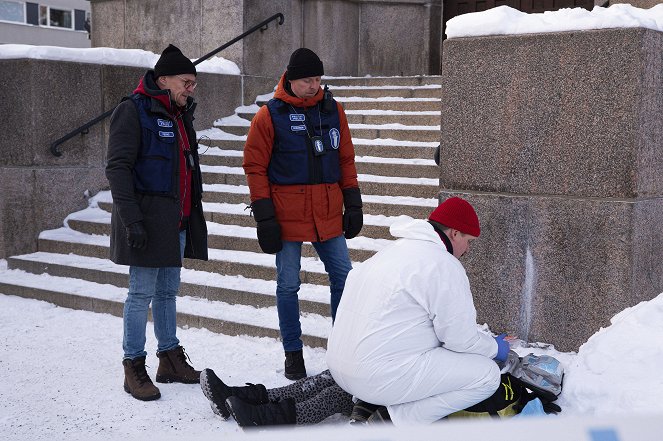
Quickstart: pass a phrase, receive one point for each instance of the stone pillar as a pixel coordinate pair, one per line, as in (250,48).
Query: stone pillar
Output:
(556,139)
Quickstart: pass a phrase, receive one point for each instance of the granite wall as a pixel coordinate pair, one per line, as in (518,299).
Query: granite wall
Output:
(353,37)
(44,100)
(556,139)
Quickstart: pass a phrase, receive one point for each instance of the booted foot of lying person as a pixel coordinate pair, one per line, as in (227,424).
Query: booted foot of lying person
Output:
(217,392)
(309,400)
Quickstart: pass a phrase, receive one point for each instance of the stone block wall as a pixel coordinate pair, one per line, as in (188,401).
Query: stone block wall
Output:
(38,189)
(353,37)
(556,139)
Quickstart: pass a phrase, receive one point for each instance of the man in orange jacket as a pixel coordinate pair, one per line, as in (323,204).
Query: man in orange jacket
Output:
(300,168)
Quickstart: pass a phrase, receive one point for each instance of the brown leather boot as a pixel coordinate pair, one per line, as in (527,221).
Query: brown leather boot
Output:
(173,367)
(137,382)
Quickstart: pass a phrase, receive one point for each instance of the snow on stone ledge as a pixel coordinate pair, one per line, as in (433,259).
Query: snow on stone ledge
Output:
(107,55)
(504,20)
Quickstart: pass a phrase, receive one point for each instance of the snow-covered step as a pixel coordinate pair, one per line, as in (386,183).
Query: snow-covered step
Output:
(372,165)
(230,262)
(385,103)
(376,204)
(369,184)
(212,286)
(417,80)
(216,316)
(424,91)
(397,131)
(412,118)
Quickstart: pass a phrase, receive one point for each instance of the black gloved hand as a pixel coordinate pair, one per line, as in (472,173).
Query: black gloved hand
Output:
(269,230)
(353,217)
(136,235)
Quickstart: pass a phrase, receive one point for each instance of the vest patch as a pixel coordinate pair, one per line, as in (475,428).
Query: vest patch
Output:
(164,123)
(166,134)
(297,117)
(297,128)
(335,138)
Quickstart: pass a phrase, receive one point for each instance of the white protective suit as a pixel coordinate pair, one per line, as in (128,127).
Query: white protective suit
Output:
(405,333)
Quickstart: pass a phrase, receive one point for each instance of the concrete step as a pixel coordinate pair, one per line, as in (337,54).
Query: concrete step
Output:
(255,265)
(236,215)
(371,165)
(425,91)
(378,205)
(370,131)
(418,80)
(214,287)
(413,118)
(383,148)
(387,103)
(369,184)
(244,238)
(216,316)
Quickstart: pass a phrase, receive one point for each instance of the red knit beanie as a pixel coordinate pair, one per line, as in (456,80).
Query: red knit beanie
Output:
(458,214)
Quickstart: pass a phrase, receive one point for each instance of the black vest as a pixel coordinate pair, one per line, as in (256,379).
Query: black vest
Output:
(294,160)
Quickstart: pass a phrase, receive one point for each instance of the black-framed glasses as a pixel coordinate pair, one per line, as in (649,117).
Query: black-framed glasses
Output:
(188,83)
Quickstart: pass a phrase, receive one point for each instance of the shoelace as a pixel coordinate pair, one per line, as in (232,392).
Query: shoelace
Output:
(184,357)
(141,375)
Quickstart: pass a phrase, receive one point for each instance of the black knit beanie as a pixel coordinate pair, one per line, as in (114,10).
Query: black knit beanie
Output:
(304,63)
(173,62)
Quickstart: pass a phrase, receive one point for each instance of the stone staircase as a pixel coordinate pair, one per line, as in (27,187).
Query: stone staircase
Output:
(395,126)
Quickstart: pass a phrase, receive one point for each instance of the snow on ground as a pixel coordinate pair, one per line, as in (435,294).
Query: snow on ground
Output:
(63,374)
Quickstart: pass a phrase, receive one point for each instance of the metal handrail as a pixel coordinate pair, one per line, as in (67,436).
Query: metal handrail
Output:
(262,26)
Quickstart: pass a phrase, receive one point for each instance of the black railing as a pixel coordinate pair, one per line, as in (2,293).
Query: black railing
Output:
(85,127)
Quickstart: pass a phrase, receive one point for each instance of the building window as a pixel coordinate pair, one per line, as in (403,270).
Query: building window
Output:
(12,11)
(57,18)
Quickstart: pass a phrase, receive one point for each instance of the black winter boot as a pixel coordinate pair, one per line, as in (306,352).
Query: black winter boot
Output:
(217,392)
(270,414)
(294,365)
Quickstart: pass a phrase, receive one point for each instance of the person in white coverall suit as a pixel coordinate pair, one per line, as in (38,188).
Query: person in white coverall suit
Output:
(405,334)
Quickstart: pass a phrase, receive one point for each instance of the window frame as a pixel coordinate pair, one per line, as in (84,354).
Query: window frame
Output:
(48,18)
(25,14)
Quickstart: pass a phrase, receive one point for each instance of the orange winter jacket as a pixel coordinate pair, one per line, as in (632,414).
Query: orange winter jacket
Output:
(306,213)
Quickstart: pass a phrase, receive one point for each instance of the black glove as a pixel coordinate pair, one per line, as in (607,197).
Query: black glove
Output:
(136,235)
(269,230)
(353,218)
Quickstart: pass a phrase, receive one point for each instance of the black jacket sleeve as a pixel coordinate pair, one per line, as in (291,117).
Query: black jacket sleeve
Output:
(123,145)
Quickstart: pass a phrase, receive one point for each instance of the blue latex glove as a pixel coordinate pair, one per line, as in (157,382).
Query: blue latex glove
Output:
(502,348)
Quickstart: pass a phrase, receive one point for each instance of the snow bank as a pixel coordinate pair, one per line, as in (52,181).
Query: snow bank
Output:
(504,20)
(618,370)
(107,55)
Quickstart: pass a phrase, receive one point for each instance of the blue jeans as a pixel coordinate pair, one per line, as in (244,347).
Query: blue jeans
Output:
(159,286)
(334,254)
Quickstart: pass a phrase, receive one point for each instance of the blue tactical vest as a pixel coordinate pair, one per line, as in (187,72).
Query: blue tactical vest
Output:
(154,171)
(293,158)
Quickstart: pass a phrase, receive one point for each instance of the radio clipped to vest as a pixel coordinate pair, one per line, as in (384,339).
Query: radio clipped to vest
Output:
(327,105)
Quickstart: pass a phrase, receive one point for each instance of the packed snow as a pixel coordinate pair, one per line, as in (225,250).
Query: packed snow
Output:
(505,20)
(107,55)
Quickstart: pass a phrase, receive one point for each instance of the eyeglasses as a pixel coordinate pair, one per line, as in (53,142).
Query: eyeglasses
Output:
(188,83)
